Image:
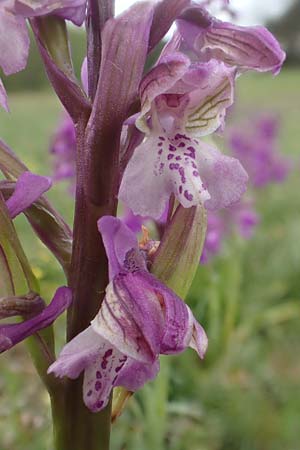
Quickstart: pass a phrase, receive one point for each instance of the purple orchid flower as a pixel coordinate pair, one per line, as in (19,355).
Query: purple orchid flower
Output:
(12,334)
(245,217)
(63,147)
(253,48)
(181,103)
(214,236)
(256,147)
(240,217)
(139,319)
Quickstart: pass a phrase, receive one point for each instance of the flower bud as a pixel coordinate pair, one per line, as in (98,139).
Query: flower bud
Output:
(178,256)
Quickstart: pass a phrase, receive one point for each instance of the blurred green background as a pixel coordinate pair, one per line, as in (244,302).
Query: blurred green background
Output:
(245,395)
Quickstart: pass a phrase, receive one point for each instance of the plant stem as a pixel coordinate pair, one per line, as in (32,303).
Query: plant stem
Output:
(86,430)
(77,428)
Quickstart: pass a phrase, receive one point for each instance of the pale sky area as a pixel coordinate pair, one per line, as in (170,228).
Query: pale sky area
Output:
(250,11)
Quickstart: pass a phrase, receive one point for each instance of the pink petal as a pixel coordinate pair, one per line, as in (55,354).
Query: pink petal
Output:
(160,167)
(77,354)
(134,374)
(118,240)
(199,341)
(159,80)
(224,177)
(12,334)
(73,10)
(14,41)
(244,47)
(100,376)
(212,95)
(130,317)
(29,188)
(144,187)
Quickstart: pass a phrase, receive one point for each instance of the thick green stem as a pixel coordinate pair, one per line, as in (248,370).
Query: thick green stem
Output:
(74,426)
(77,428)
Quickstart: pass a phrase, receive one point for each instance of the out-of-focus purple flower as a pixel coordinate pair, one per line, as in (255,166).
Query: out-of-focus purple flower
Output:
(255,145)
(253,48)
(180,103)
(12,334)
(63,147)
(243,217)
(240,217)
(139,319)
(214,235)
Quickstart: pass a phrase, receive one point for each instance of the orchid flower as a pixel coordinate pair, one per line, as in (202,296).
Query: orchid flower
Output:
(139,319)
(181,103)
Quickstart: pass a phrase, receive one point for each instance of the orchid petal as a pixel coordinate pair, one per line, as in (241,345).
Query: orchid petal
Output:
(100,376)
(29,188)
(165,13)
(223,176)
(244,47)
(12,334)
(77,354)
(14,41)
(180,329)
(178,319)
(130,317)
(161,167)
(133,222)
(73,10)
(134,374)
(159,80)
(199,341)
(153,191)
(100,361)
(118,240)
(208,104)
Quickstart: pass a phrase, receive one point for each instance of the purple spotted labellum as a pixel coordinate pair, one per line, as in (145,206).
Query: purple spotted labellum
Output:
(139,319)
(181,103)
